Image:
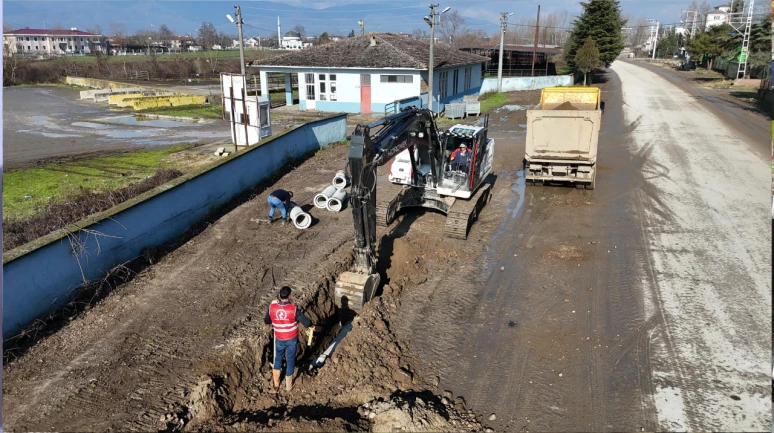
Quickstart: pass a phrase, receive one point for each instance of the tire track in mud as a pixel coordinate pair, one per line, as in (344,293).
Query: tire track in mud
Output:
(545,314)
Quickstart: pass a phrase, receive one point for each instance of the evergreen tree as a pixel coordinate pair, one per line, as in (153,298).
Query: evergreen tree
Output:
(587,58)
(351,34)
(601,20)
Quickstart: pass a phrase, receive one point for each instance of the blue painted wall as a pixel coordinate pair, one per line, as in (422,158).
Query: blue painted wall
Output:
(526,83)
(36,282)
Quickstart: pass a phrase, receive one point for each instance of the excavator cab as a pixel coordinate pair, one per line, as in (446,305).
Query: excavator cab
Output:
(467,159)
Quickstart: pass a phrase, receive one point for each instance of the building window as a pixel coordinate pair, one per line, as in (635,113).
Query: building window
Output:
(455,81)
(310,87)
(396,78)
(36,48)
(443,84)
(332,84)
(36,39)
(323,92)
(467,78)
(27,38)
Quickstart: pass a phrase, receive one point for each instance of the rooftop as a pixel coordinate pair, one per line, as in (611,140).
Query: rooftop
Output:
(50,32)
(390,51)
(549,49)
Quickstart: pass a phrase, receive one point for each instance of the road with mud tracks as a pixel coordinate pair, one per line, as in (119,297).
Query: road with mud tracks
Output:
(641,305)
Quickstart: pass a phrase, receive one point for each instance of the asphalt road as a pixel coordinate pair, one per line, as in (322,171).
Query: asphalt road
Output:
(42,123)
(641,305)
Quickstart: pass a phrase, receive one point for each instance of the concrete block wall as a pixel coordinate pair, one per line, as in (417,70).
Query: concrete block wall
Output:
(526,83)
(41,275)
(145,102)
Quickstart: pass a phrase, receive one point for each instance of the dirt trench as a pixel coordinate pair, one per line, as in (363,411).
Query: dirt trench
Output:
(370,383)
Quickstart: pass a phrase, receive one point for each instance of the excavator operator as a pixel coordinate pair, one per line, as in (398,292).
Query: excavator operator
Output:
(460,158)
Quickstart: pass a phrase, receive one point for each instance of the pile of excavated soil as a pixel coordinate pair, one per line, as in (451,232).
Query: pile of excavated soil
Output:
(368,384)
(565,106)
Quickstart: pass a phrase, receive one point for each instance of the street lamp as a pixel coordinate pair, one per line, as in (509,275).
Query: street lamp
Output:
(430,20)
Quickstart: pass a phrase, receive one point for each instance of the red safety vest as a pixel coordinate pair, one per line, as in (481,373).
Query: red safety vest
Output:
(283,319)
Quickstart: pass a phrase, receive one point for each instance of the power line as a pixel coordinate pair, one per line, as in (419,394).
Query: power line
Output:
(325,11)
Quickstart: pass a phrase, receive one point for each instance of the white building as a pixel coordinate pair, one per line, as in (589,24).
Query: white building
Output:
(249,43)
(293,43)
(51,42)
(368,73)
(717,16)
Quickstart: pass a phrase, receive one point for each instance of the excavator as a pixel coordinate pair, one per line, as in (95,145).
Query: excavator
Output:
(458,190)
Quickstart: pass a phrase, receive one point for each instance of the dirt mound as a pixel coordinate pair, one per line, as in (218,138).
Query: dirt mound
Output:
(420,413)
(566,253)
(565,106)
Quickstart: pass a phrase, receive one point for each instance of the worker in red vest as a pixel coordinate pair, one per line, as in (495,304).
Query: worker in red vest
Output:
(284,317)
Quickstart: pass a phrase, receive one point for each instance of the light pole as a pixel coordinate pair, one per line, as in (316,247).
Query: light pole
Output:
(431,21)
(239,23)
(503,24)
(361,23)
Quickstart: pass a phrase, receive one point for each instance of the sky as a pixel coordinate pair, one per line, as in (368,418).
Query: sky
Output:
(333,16)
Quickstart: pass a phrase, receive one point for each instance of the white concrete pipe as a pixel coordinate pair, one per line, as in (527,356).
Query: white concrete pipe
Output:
(321,199)
(336,202)
(301,219)
(340,180)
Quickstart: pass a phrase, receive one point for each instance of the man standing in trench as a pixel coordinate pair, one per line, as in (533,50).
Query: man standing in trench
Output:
(284,318)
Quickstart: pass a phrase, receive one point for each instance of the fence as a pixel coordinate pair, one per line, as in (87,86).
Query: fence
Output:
(42,275)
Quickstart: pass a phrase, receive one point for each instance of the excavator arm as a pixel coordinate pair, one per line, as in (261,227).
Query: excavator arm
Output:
(366,153)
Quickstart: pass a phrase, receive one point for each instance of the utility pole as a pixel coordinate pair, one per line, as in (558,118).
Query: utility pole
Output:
(503,24)
(534,49)
(279,34)
(432,42)
(361,23)
(746,24)
(239,23)
(693,20)
(655,41)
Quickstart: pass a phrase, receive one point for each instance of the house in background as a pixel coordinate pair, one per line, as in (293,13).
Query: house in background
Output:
(51,42)
(293,43)
(366,73)
(717,16)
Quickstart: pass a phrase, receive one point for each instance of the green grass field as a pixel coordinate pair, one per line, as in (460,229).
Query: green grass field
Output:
(57,180)
(225,54)
(194,111)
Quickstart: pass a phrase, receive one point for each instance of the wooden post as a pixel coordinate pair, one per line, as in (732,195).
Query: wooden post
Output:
(534,49)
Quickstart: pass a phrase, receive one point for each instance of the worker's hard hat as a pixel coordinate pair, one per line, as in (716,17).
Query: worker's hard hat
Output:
(463,145)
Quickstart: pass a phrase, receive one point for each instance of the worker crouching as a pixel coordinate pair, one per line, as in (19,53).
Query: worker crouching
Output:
(284,317)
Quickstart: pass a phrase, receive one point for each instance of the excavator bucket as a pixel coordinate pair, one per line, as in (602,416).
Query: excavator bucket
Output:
(354,289)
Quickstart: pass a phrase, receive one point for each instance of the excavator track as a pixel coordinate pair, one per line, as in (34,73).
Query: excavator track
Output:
(387,202)
(463,212)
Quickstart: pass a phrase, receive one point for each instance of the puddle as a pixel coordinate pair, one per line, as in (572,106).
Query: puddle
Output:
(129,134)
(514,208)
(91,125)
(147,121)
(53,135)
(503,119)
(513,107)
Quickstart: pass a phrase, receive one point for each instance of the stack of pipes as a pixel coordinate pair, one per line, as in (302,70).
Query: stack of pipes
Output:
(334,197)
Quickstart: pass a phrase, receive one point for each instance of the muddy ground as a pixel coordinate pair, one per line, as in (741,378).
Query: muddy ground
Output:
(44,123)
(544,319)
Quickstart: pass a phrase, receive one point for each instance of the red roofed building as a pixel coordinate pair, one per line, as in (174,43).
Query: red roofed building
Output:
(49,42)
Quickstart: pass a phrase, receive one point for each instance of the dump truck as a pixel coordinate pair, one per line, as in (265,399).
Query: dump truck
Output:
(562,136)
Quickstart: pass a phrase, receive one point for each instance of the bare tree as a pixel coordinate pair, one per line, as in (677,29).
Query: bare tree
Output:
(299,29)
(165,33)
(96,29)
(701,20)
(7,28)
(471,39)
(119,32)
(207,35)
(451,26)
(419,33)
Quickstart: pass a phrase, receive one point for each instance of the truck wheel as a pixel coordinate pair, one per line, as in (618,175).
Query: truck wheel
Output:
(591,185)
(578,185)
